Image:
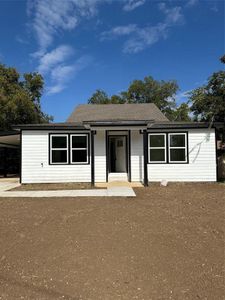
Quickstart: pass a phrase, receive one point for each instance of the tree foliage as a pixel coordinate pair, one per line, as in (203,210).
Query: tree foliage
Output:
(208,101)
(222,59)
(100,97)
(162,93)
(20,99)
(181,113)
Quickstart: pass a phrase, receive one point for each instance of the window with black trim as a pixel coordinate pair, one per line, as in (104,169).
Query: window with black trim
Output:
(177,147)
(59,149)
(157,148)
(79,148)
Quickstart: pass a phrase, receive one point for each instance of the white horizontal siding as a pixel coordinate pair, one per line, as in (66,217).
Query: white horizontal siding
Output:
(100,156)
(35,152)
(202,160)
(136,156)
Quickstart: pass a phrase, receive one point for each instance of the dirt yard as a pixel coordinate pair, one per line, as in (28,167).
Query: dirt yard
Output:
(167,243)
(52,186)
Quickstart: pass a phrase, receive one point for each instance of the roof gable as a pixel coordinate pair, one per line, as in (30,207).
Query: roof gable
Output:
(117,112)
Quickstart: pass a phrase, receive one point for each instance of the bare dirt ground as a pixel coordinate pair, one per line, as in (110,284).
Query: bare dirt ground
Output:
(167,243)
(53,186)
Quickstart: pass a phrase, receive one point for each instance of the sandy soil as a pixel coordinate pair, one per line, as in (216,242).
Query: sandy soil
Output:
(167,243)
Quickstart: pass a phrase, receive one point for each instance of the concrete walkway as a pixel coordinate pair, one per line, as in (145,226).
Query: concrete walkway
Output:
(8,184)
(115,191)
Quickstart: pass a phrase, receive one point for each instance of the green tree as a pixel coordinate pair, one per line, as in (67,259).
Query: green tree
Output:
(208,101)
(20,99)
(162,93)
(182,113)
(117,99)
(222,59)
(99,97)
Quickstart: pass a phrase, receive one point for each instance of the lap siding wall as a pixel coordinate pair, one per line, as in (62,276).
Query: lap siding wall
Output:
(35,152)
(202,160)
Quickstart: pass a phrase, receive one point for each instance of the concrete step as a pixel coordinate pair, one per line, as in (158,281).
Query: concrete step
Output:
(117,177)
(118,184)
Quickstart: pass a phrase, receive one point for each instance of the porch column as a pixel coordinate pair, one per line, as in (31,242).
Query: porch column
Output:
(129,156)
(20,156)
(145,153)
(92,158)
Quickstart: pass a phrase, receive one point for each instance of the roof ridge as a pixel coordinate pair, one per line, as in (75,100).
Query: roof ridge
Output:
(126,111)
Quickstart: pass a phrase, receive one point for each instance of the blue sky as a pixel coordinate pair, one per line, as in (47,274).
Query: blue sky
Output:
(83,45)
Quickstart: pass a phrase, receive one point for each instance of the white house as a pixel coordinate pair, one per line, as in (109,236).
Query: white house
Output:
(135,142)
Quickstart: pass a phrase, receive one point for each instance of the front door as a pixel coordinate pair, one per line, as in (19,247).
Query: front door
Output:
(117,154)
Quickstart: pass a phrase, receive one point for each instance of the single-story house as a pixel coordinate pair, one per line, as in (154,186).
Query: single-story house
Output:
(133,142)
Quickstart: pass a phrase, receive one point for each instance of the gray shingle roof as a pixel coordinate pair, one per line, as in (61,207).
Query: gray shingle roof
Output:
(117,112)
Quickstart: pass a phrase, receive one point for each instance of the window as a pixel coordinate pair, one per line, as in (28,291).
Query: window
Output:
(58,149)
(79,148)
(177,147)
(168,147)
(157,148)
(69,148)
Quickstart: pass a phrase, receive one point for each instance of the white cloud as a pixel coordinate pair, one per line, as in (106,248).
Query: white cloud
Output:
(145,37)
(132,4)
(119,31)
(173,15)
(62,74)
(50,17)
(54,57)
(191,3)
(141,37)
(55,89)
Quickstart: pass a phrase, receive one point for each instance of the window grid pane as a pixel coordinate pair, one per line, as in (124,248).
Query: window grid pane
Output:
(59,156)
(157,155)
(79,149)
(157,148)
(157,141)
(177,140)
(178,153)
(79,156)
(79,141)
(59,149)
(59,142)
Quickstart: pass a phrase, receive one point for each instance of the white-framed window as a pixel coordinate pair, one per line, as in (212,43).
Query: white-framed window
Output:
(177,147)
(79,148)
(59,149)
(157,147)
